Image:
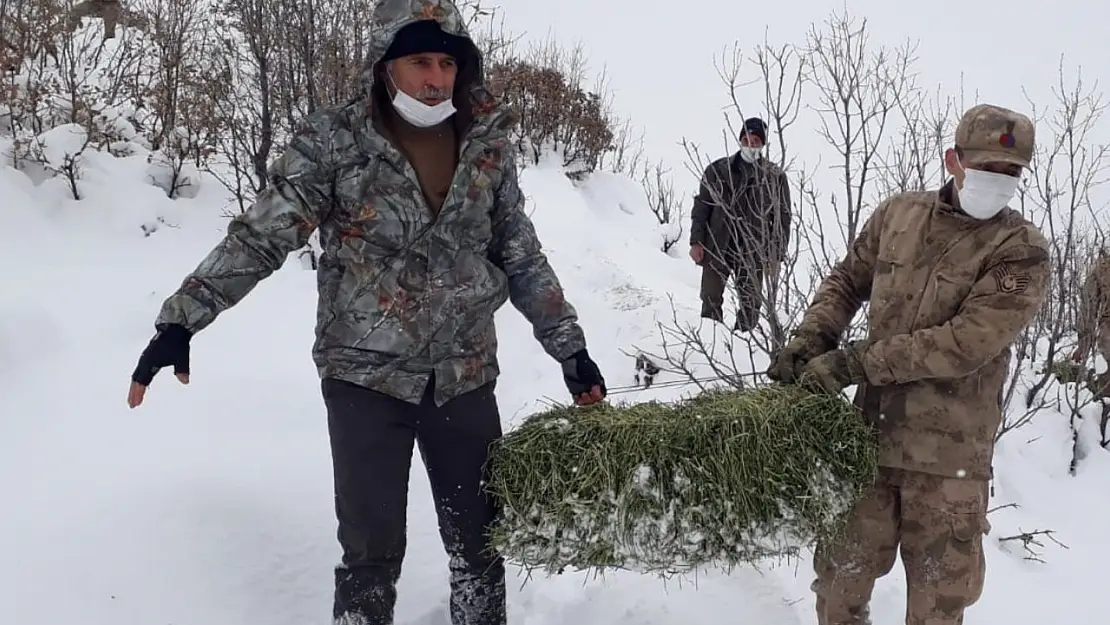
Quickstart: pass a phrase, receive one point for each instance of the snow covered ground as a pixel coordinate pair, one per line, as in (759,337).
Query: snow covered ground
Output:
(211,504)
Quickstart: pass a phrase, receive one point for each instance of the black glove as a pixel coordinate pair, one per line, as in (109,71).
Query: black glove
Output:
(170,346)
(582,376)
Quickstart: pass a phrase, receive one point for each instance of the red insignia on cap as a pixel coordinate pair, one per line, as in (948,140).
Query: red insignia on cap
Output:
(1007,140)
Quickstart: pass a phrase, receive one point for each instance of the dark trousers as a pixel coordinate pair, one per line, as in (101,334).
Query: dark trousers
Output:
(372,438)
(749,294)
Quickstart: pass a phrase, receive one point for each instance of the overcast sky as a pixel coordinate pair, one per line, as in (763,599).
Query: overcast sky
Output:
(661,64)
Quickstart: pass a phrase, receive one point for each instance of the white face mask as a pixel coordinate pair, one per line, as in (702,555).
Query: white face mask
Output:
(750,154)
(419,114)
(416,112)
(986,193)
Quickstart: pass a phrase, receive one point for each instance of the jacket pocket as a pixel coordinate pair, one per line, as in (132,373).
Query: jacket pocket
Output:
(949,292)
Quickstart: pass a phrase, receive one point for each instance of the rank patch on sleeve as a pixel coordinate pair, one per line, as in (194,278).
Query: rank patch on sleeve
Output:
(1010,282)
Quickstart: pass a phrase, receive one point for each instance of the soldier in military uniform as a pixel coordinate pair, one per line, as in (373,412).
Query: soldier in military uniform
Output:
(413,188)
(952,277)
(1093,319)
(1093,322)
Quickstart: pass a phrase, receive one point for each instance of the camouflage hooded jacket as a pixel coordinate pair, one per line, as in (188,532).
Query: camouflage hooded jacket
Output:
(948,295)
(403,293)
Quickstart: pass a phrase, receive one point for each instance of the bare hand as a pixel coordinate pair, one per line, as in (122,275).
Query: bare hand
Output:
(585,399)
(697,253)
(169,347)
(137,391)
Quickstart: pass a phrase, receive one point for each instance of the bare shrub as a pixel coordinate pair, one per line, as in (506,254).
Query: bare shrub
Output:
(627,155)
(664,205)
(1062,196)
(57,153)
(861,95)
(74,78)
(486,26)
(545,87)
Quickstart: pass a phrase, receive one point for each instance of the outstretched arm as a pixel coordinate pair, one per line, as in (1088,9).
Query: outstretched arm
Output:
(298,196)
(534,289)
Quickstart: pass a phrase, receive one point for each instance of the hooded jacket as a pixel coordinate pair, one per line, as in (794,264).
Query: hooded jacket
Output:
(403,293)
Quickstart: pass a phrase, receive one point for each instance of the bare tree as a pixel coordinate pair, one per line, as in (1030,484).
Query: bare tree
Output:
(770,264)
(914,158)
(246,59)
(858,89)
(863,95)
(1069,169)
(177,29)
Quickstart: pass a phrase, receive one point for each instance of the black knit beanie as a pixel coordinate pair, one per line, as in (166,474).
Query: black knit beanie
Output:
(755,126)
(425,36)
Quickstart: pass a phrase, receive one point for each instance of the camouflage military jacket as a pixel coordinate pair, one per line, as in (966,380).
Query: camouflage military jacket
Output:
(948,295)
(1093,316)
(403,293)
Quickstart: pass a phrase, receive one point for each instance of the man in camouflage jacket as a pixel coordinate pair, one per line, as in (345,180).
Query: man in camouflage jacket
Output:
(424,238)
(740,227)
(952,278)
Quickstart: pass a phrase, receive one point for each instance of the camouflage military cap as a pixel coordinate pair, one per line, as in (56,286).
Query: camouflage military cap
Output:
(992,134)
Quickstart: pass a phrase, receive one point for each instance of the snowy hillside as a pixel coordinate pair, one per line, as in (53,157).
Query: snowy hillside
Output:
(212,503)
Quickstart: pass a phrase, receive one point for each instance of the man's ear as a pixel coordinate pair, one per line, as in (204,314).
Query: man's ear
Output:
(952,162)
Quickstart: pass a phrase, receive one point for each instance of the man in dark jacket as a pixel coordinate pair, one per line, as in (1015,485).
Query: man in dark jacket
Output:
(425,237)
(740,227)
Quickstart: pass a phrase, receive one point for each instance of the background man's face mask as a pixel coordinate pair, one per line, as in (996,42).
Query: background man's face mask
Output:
(750,154)
(985,193)
(416,112)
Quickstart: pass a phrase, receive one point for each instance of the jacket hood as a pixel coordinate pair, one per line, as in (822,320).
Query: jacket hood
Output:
(390,16)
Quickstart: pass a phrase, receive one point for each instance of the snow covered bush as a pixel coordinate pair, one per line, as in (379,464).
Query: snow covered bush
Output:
(125,85)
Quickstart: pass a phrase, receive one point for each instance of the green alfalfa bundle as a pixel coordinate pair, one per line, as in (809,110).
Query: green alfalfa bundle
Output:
(721,479)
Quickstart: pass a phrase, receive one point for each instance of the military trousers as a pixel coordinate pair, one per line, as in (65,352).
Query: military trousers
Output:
(936,523)
(372,440)
(748,286)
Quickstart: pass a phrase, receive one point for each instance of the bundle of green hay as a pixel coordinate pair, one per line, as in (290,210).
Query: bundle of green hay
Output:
(722,479)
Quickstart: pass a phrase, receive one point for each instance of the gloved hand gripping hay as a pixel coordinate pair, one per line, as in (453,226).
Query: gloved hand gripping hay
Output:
(832,371)
(786,364)
(722,479)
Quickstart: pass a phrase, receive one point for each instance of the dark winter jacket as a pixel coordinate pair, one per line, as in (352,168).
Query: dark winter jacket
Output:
(403,292)
(742,212)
